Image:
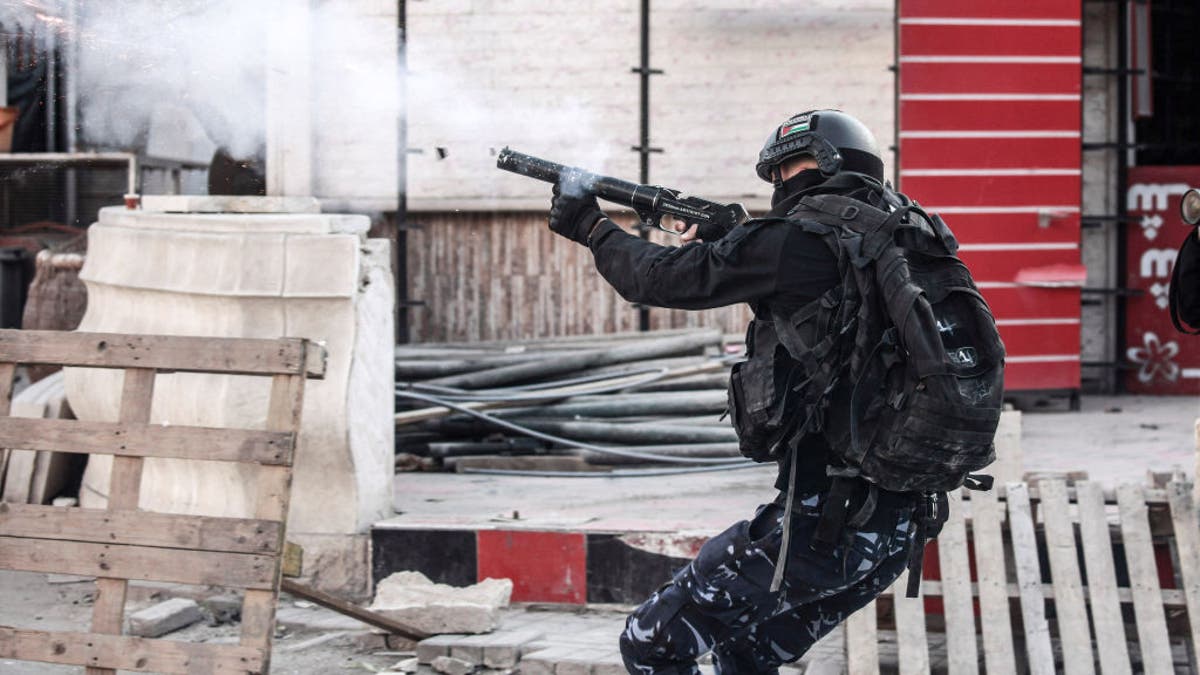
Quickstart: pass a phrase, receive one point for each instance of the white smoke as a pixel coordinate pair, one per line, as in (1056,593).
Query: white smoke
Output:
(141,58)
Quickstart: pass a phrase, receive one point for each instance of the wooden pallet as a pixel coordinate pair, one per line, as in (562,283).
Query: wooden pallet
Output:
(1076,525)
(122,543)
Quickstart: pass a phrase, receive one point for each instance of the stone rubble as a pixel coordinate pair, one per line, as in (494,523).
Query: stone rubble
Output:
(411,598)
(169,615)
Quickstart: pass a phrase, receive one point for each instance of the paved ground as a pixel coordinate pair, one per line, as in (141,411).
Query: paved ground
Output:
(1112,438)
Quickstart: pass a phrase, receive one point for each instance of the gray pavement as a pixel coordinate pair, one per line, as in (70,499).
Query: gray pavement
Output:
(1113,439)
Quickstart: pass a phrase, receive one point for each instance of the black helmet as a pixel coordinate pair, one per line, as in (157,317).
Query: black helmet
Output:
(837,141)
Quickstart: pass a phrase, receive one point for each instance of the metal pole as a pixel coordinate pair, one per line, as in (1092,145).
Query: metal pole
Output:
(71,114)
(1123,159)
(402,306)
(644,137)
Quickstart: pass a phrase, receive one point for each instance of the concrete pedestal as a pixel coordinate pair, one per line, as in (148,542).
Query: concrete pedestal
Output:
(266,268)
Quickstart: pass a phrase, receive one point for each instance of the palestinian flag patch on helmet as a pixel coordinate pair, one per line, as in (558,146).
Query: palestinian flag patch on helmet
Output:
(794,127)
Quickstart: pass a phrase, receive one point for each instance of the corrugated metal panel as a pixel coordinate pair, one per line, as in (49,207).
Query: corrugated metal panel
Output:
(989,134)
(493,276)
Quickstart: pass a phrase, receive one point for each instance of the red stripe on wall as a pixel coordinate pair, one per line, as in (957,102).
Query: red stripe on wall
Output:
(976,40)
(979,153)
(1032,340)
(544,566)
(993,228)
(989,78)
(1028,302)
(1005,265)
(992,190)
(1050,375)
(996,9)
(971,116)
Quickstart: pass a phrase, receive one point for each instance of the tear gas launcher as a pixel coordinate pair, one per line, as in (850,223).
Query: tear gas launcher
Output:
(651,202)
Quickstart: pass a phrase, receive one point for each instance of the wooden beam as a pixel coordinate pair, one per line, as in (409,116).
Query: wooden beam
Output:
(138,439)
(962,655)
(273,498)
(1029,579)
(1187,548)
(987,519)
(124,493)
(99,651)
(244,356)
(1143,580)
(1069,607)
(862,641)
(139,528)
(120,562)
(911,641)
(364,615)
(1102,590)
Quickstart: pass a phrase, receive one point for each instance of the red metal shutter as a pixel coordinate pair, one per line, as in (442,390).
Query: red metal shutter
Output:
(989,136)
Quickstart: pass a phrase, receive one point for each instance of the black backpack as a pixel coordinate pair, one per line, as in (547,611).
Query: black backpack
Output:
(902,365)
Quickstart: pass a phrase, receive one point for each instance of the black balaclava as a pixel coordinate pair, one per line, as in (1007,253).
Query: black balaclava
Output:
(797,184)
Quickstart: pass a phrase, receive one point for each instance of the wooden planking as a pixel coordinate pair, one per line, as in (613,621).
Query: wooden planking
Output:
(1064,571)
(124,490)
(495,276)
(911,640)
(862,641)
(961,652)
(1187,548)
(245,356)
(986,521)
(1143,580)
(140,528)
(127,653)
(1171,598)
(7,370)
(120,562)
(273,497)
(1102,580)
(1029,581)
(139,439)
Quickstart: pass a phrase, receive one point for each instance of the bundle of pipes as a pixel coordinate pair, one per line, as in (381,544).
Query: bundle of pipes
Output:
(638,398)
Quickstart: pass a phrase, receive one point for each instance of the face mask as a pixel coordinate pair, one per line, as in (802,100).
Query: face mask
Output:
(797,184)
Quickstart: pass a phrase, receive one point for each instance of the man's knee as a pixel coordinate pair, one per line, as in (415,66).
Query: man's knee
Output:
(649,645)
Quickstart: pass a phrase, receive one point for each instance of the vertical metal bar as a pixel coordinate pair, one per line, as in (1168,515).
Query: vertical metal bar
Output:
(1123,158)
(51,91)
(71,114)
(896,96)
(644,173)
(402,307)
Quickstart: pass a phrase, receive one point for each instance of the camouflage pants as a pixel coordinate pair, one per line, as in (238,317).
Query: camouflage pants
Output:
(721,601)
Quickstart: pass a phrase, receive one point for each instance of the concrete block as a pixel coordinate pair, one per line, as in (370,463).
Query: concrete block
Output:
(228,204)
(438,645)
(164,617)
(452,666)
(411,598)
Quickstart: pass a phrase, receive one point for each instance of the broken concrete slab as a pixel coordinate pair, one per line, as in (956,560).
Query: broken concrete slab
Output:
(452,666)
(164,617)
(411,598)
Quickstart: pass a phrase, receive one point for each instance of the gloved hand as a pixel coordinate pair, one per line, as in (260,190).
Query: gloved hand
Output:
(574,216)
(699,231)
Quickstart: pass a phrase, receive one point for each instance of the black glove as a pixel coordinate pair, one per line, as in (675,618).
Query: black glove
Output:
(574,216)
(711,231)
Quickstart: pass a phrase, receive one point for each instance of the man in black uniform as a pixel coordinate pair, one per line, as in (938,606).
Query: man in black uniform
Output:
(723,600)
